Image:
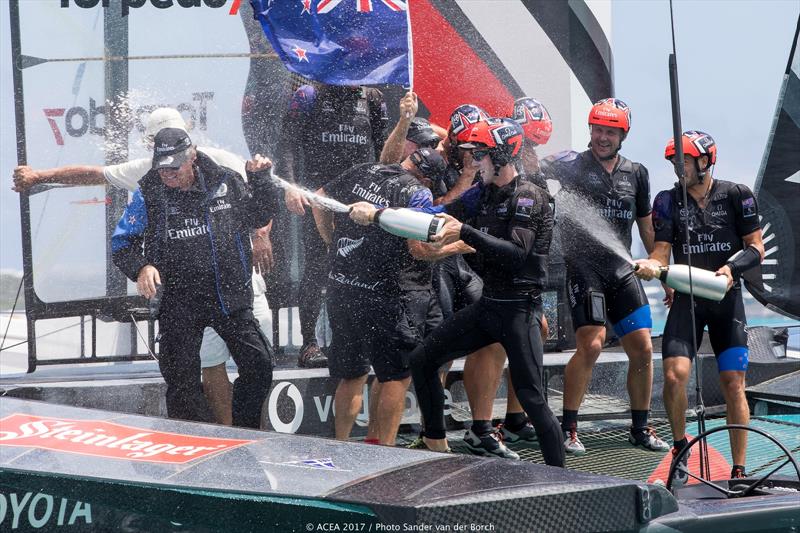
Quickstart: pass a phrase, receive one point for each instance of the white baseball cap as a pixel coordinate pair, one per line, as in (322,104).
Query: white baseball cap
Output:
(163,117)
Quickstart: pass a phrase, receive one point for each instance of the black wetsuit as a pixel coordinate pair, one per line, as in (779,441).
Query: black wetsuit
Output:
(369,317)
(618,199)
(715,234)
(510,228)
(329,131)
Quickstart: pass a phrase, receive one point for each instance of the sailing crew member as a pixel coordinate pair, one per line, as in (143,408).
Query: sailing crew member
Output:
(187,227)
(377,301)
(508,221)
(213,352)
(723,220)
(600,284)
(409,134)
(328,130)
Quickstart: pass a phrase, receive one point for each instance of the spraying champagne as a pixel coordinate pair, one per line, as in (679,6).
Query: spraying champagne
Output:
(409,223)
(705,284)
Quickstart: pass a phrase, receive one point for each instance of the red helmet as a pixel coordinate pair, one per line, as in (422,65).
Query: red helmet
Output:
(501,136)
(534,119)
(695,143)
(463,118)
(611,112)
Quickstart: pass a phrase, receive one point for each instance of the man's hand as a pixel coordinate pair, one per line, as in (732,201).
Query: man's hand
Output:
(726,271)
(258,163)
(363,213)
(648,269)
(669,295)
(24,178)
(450,232)
(296,201)
(409,106)
(263,260)
(464,248)
(148,281)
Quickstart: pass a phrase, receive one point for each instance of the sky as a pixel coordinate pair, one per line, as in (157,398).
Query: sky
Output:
(731,57)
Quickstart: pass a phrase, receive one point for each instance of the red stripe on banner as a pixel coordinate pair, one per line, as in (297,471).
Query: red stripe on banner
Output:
(322,5)
(720,468)
(364,6)
(235,7)
(447,72)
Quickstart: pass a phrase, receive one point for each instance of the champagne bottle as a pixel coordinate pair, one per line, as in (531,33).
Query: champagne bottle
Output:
(706,284)
(408,223)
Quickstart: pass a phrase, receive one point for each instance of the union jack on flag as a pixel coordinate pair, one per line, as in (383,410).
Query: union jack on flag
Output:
(341,42)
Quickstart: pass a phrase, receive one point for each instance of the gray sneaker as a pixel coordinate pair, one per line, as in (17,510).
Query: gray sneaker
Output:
(525,434)
(572,444)
(681,475)
(490,445)
(647,439)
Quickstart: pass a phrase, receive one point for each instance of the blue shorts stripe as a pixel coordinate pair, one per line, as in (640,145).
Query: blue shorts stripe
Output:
(639,319)
(735,358)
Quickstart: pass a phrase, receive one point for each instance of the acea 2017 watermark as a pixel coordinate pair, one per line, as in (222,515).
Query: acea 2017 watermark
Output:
(379,527)
(125,6)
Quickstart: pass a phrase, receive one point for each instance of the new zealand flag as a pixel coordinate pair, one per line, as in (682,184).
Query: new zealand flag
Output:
(340,42)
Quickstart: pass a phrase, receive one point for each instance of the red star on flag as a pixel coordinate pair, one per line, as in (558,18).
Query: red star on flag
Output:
(301,54)
(306,7)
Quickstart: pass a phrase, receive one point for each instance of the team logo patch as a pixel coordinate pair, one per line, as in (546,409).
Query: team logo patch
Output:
(346,246)
(221,191)
(524,208)
(749,207)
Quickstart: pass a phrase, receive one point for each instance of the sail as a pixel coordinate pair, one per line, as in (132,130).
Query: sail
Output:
(777,188)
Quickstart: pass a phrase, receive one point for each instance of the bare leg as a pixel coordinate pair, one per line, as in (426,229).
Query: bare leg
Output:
(639,347)
(347,402)
(676,378)
(732,383)
(483,371)
(391,404)
(219,393)
(578,372)
(373,429)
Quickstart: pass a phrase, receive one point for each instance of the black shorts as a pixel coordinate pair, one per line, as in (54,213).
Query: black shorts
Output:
(423,311)
(456,284)
(370,330)
(626,305)
(726,323)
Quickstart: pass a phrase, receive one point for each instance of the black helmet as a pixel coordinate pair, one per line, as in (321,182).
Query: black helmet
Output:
(429,163)
(421,133)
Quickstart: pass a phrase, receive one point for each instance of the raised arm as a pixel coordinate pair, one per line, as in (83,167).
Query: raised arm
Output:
(25,177)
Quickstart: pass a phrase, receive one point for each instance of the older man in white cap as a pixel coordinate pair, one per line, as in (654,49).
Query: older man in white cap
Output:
(213,353)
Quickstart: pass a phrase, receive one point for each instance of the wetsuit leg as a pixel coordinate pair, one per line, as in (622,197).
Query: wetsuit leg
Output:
(181,327)
(677,337)
(523,345)
(726,331)
(253,357)
(315,271)
(461,333)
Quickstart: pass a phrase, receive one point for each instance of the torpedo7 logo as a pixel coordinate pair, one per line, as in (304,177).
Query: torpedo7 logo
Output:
(78,121)
(126,5)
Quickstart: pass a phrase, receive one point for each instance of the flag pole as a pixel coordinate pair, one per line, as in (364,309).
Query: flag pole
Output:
(410,51)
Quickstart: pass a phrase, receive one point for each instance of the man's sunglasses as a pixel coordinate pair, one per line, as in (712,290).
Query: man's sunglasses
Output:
(477,155)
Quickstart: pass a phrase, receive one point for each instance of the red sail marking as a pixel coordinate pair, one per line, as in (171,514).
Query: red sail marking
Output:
(720,468)
(447,72)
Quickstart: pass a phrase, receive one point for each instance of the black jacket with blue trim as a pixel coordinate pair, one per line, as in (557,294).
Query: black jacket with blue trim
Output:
(197,239)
